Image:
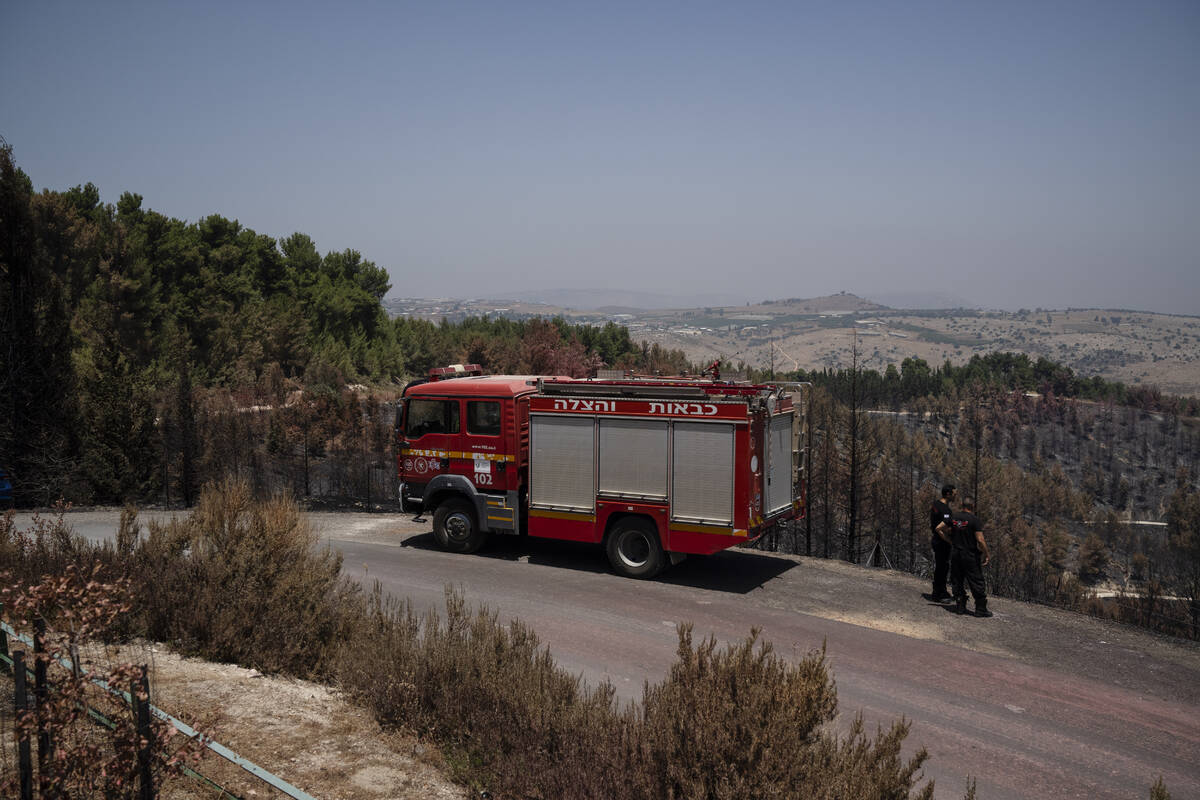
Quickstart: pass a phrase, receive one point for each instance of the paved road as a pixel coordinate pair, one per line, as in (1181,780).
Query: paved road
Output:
(1033,703)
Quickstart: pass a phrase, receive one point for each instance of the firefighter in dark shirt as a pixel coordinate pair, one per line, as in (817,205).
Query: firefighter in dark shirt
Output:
(969,555)
(939,513)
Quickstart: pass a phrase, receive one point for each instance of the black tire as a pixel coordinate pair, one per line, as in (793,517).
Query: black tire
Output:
(634,549)
(455,527)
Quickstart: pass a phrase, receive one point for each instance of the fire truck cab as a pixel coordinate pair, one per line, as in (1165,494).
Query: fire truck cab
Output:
(652,468)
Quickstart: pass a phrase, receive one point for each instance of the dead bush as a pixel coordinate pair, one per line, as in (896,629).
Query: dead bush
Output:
(237,580)
(490,694)
(720,715)
(244,581)
(743,722)
(46,548)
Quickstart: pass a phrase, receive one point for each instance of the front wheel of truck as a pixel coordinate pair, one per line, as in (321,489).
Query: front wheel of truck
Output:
(455,527)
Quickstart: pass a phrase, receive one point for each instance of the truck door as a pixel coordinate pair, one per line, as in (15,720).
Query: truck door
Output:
(483,445)
(431,431)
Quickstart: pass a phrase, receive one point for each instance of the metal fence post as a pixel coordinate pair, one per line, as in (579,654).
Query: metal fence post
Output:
(21,703)
(3,640)
(41,698)
(73,649)
(141,703)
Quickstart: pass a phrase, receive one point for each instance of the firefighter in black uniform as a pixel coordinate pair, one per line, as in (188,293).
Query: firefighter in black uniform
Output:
(939,513)
(969,555)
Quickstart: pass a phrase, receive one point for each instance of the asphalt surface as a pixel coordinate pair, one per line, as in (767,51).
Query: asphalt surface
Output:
(1032,703)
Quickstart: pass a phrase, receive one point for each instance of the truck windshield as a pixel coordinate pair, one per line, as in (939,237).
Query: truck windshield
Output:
(431,416)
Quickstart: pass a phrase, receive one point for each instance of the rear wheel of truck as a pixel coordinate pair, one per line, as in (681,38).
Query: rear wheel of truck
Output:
(634,549)
(455,528)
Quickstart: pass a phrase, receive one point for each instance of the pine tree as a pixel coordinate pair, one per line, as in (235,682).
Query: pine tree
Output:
(1093,559)
(1183,543)
(185,416)
(854,452)
(37,397)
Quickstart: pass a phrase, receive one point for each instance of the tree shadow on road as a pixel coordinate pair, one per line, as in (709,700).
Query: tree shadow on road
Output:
(734,571)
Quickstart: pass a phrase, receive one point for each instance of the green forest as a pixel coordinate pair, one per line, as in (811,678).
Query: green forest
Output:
(132,339)
(145,357)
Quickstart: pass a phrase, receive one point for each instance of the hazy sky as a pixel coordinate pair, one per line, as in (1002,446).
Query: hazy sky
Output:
(1008,153)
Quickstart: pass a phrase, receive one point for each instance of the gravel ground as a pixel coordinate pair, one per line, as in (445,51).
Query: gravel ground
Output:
(303,732)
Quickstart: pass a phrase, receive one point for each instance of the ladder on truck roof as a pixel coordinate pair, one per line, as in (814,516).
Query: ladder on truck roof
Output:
(635,387)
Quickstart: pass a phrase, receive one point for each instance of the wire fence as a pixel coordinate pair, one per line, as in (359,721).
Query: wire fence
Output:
(136,698)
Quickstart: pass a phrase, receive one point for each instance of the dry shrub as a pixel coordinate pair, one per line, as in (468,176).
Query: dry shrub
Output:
(489,694)
(244,581)
(744,722)
(237,580)
(734,723)
(46,548)
(720,716)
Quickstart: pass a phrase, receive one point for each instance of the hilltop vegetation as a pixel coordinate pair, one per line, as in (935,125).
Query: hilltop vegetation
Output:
(132,338)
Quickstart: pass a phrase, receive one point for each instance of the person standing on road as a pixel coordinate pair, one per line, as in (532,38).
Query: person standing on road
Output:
(939,513)
(969,555)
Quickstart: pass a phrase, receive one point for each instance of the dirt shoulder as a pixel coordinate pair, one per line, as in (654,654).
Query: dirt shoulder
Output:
(304,733)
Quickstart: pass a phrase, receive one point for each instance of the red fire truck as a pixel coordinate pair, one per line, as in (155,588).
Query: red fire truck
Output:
(653,468)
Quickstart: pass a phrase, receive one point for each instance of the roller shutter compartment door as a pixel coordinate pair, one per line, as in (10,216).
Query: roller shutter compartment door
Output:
(702,485)
(633,458)
(562,463)
(779,462)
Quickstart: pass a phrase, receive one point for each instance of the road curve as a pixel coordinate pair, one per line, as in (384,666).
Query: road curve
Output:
(1032,703)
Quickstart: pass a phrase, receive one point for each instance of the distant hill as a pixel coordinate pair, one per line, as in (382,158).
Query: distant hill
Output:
(833,303)
(1136,347)
(922,300)
(610,300)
